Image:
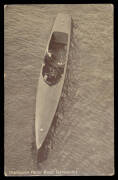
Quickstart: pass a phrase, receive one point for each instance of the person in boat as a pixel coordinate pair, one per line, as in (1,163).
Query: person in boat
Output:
(52,71)
(49,72)
(49,58)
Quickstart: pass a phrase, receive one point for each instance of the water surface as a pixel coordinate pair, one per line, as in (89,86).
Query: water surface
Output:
(81,136)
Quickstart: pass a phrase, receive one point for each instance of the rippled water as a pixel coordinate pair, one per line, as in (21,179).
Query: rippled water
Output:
(81,136)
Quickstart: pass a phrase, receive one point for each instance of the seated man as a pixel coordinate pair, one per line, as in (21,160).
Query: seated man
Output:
(52,71)
(51,74)
(49,58)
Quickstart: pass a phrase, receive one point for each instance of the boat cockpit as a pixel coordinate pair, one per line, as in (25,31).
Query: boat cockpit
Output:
(55,58)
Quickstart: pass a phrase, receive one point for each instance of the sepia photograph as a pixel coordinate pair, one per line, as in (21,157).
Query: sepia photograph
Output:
(59,90)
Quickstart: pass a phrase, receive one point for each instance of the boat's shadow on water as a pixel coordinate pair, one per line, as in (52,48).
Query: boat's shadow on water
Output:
(49,142)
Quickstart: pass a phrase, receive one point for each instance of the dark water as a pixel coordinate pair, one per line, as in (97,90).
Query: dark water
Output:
(80,141)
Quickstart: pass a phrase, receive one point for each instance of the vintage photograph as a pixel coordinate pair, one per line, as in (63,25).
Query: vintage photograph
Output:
(59,90)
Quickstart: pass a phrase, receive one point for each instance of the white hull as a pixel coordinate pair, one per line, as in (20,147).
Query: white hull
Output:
(47,98)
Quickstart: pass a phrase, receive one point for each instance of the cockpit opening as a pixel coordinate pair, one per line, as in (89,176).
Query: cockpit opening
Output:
(54,60)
